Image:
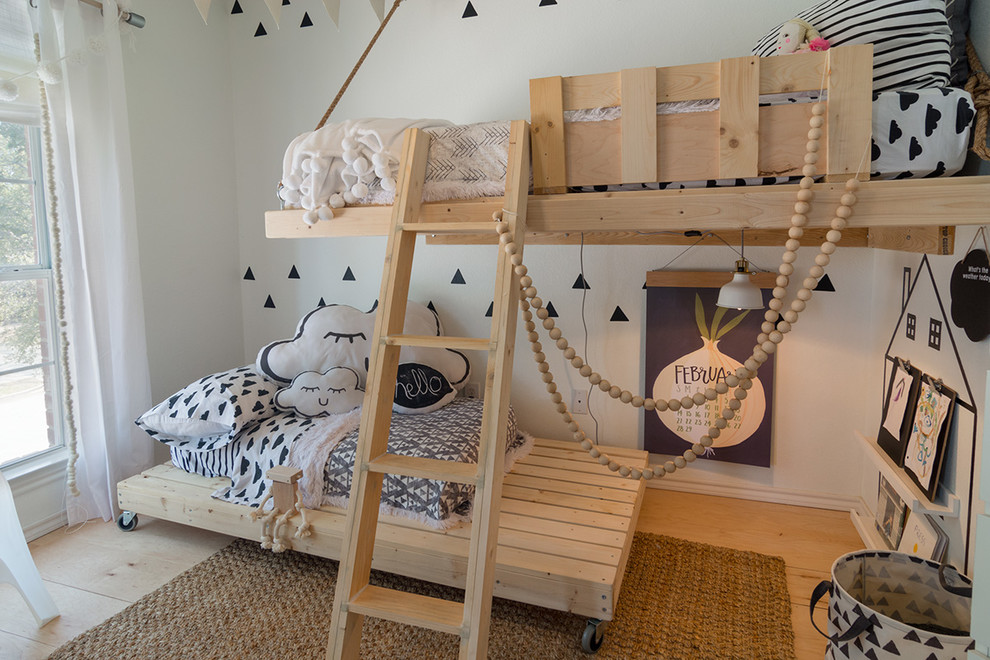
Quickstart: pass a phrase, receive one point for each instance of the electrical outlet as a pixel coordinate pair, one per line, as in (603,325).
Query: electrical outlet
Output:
(472,390)
(579,402)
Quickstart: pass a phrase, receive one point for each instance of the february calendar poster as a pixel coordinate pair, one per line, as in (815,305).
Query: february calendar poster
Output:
(691,345)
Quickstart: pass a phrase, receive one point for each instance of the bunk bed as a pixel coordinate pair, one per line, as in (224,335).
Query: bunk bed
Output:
(566,521)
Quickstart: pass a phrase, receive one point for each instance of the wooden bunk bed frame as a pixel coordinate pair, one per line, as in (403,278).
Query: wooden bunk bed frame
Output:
(567,522)
(740,140)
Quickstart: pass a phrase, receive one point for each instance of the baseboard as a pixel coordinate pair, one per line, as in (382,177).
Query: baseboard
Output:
(758,493)
(39,494)
(49,524)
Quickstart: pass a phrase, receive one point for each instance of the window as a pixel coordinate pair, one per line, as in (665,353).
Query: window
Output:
(30,369)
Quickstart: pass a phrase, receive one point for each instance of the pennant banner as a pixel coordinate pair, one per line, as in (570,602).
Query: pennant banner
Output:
(275,8)
(379,7)
(204,8)
(333,10)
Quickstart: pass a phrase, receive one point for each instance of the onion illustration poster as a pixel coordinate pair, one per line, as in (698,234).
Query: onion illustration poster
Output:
(691,346)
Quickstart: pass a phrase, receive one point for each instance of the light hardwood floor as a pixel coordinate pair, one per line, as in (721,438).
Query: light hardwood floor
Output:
(95,571)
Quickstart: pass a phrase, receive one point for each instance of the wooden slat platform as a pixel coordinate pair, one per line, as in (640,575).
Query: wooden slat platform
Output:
(566,527)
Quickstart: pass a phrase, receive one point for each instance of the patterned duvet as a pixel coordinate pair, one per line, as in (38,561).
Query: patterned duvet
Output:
(450,433)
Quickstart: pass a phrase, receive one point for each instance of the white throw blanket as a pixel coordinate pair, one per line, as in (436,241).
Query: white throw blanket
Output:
(357,161)
(341,163)
(312,457)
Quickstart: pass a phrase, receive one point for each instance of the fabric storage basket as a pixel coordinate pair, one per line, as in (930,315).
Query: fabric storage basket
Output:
(887,605)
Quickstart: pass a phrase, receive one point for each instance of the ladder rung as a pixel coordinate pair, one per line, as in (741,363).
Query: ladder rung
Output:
(459,343)
(412,609)
(426,468)
(486,227)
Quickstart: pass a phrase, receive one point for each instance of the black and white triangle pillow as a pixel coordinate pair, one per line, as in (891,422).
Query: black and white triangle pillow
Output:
(208,413)
(911,39)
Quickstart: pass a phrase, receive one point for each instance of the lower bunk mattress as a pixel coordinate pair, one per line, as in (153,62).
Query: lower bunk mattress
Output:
(566,524)
(324,448)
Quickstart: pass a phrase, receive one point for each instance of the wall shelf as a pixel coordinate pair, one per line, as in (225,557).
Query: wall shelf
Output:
(867,530)
(948,504)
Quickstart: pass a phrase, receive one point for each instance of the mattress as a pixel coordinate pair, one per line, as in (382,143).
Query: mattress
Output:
(450,433)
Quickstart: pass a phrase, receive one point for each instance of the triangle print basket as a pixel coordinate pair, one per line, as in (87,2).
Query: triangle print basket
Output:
(886,605)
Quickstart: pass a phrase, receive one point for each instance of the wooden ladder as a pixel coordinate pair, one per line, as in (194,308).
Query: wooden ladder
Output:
(355,598)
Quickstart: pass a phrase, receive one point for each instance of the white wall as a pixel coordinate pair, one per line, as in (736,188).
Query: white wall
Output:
(179,103)
(219,106)
(939,363)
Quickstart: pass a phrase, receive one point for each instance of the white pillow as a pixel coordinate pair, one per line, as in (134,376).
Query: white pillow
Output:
(208,414)
(911,39)
(340,336)
(313,394)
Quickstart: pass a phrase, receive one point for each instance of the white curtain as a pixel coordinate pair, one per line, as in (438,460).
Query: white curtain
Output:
(108,357)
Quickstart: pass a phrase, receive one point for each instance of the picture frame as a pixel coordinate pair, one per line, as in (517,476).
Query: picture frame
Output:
(891,514)
(898,409)
(923,537)
(924,451)
(693,344)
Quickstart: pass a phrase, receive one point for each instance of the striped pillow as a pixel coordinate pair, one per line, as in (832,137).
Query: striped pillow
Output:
(910,38)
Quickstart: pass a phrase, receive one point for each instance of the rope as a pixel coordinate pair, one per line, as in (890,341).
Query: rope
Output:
(343,88)
(55,225)
(978,86)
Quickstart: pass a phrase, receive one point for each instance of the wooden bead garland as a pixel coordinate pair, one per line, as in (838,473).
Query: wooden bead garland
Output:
(776,325)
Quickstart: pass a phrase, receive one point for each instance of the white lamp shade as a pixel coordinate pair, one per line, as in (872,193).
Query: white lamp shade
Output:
(740,293)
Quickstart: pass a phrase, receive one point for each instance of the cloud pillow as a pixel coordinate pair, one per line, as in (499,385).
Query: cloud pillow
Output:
(313,394)
(340,336)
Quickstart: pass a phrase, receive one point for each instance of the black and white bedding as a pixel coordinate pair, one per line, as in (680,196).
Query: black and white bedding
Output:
(450,433)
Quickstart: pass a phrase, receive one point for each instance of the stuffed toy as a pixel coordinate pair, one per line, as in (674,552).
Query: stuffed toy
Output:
(799,36)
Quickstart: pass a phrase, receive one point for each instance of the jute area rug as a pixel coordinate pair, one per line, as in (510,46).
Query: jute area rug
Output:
(679,601)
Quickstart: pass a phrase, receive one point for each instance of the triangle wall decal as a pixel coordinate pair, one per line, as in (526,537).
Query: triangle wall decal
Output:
(458,278)
(261,31)
(236,9)
(619,315)
(825,284)
(349,276)
(429,306)
(306,21)
(491,310)
(547,3)
(293,274)
(322,303)
(269,303)
(469,11)
(551,312)
(581,283)
(249,275)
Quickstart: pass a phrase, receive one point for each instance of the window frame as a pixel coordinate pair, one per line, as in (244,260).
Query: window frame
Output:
(41,271)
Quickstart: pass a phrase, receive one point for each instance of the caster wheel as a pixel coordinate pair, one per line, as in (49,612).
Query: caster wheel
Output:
(127,521)
(594,635)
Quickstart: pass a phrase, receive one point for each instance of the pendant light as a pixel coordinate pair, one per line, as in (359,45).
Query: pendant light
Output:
(741,292)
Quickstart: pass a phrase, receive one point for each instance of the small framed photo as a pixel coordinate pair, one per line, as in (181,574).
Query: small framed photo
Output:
(923,537)
(931,420)
(890,514)
(898,409)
